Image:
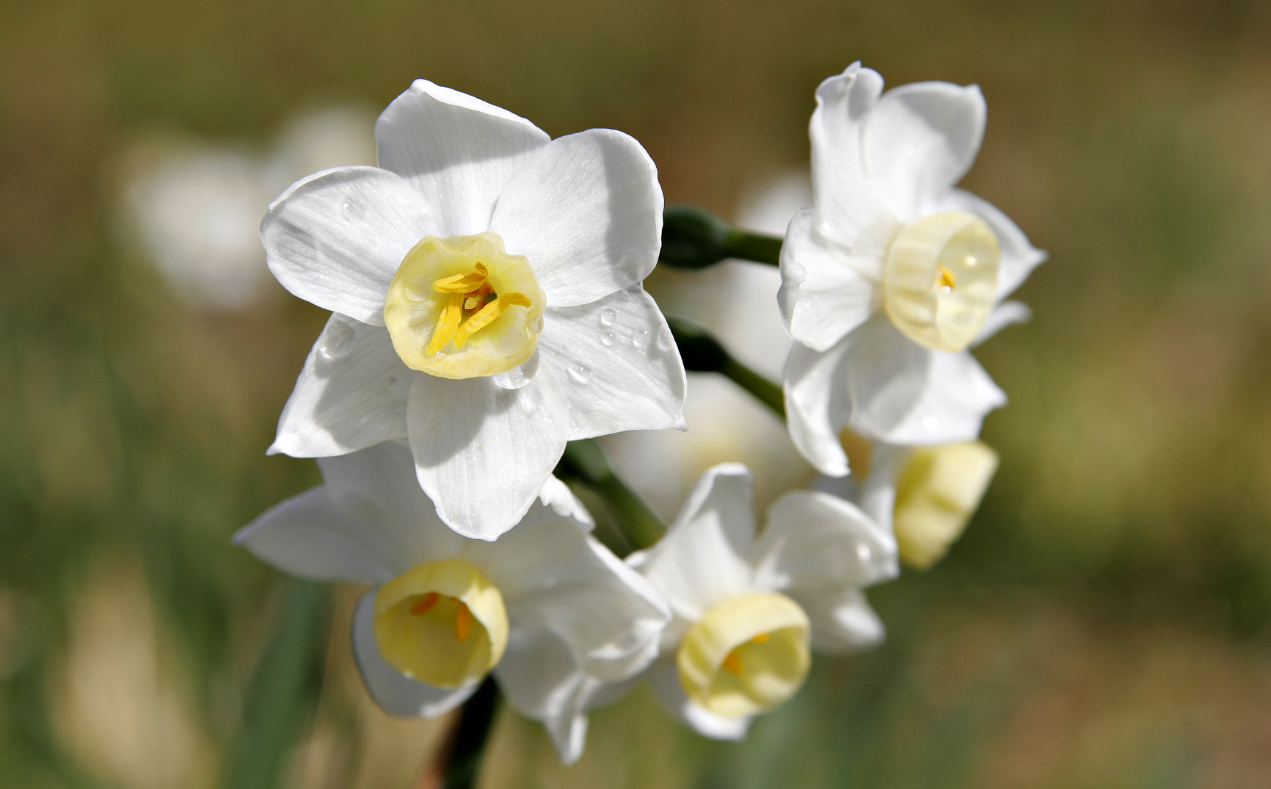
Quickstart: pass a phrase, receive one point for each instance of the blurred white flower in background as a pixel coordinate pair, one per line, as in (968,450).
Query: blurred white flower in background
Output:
(193,207)
(737,301)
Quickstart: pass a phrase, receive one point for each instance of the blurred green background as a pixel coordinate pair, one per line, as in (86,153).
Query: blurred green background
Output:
(1104,623)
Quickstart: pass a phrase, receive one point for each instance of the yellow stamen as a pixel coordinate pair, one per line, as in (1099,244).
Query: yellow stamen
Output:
(947,280)
(733,664)
(463,623)
(447,324)
(463,283)
(425,603)
(762,638)
(474,300)
(488,314)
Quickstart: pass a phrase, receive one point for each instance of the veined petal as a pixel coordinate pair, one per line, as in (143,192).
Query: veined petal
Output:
(377,488)
(394,692)
(826,291)
(842,620)
(308,536)
(702,558)
(587,212)
(557,578)
(817,405)
(457,151)
(918,142)
(618,366)
(665,679)
(542,681)
(350,394)
(482,452)
(813,540)
(336,238)
(848,209)
(1019,256)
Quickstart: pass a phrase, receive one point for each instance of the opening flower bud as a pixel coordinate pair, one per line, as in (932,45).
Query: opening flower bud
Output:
(746,655)
(938,491)
(940,279)
(441,623)
(462,307)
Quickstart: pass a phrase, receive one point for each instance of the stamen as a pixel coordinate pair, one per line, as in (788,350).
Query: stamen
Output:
(762,638)
(733,664)
(463,623)
(462,283)
(476,299)
(487,315)
(947,280)
(447,324)
(425,603)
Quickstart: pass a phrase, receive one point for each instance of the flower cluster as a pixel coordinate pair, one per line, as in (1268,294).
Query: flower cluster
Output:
(486,289)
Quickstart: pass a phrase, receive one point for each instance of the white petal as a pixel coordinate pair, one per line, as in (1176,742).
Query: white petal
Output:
(813,540)
(394,692)
(1019,256)
(457,151)
(555,577)
(350,394)
(847,207)
(308,536)
(587,212)
(876,493)
(377,488)
(842,620)
(556,497)
(617,363)
(541,681)
(336,238)
(1008,313)
(817,406)
(665,679)
(702,558)
(826,291)
(482,453)
(919,140)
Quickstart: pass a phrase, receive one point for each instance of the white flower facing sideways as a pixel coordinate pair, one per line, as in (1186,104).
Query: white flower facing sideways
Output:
(746,608)
(925,495)
(894,272)
(486,285)
(546,608)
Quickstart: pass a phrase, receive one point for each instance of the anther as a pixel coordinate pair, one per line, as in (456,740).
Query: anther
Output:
(733,664)
(463,283)
(463,623)
(762,638)
(947,280)
(487,315)
(425,603)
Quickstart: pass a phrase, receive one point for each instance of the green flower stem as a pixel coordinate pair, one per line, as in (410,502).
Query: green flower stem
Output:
(284,686)
(587,462)
(703,353)
(693,238)
(459,765)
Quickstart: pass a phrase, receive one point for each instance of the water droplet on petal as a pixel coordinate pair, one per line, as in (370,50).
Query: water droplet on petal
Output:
(337,340)
(640,340)
(608,316)
(665,341)
(354,208)
(864,553)
(607,339)
(579,373)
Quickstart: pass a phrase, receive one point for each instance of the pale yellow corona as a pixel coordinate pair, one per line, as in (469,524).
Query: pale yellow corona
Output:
(441,623)
(938,490)
(940,279)
(462,307)
(746,655)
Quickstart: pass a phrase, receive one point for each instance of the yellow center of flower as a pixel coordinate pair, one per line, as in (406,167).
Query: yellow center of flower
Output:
(746,655)
(462,307)
(441,623)
(937,492)
(940,279)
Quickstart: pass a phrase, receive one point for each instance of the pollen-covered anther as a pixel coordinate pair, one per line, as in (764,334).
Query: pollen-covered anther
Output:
(442,623)
(462,307)
(745,655)
(940,279)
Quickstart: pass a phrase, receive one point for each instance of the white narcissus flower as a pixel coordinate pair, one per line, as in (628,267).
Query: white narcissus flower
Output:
(747,609)
(925,495)
(895,272)
(486,285)
(548,609)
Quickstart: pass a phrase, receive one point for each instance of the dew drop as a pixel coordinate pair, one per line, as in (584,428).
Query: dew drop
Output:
(608,316)
(864,553)
(355,208)
(607,339)
(665,341)
(640,340)
(579,373)
(337,340)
